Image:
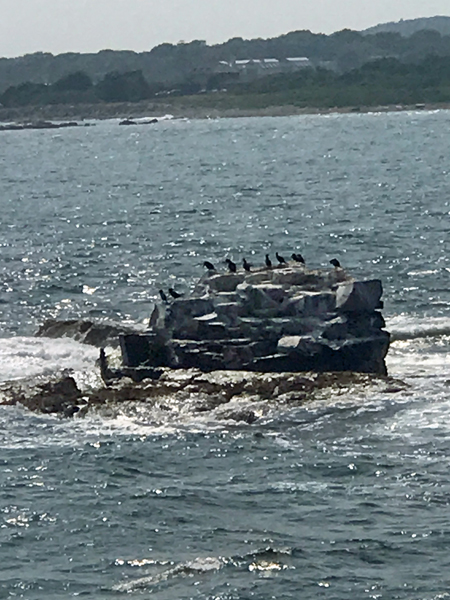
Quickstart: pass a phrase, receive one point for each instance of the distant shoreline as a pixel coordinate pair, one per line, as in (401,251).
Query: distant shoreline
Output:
(153,110)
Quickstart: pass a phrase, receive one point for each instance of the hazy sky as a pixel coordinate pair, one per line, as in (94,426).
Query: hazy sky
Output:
(90,25)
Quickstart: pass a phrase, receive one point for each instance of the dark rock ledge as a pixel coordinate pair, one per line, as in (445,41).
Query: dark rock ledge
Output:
(41,125)
(94,333)
(280,336)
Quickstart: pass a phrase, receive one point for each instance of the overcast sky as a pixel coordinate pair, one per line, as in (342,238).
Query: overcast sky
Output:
(91,25)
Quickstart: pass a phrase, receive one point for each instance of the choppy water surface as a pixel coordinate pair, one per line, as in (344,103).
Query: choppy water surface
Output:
(345,498)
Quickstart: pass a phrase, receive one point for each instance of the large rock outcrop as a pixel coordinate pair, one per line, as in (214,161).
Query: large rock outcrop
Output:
(282,319)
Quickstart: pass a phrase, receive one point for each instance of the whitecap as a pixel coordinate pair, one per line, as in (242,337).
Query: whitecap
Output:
(31,357)
(409,327)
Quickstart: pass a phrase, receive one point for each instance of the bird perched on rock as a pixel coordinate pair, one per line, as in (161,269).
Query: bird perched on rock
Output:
(298,258)
(153,317)
(163,297)
(268,262)
(209,265)
(231,265)
(280,259)
(246,265)
(335,263)
(105,372)
(174,294)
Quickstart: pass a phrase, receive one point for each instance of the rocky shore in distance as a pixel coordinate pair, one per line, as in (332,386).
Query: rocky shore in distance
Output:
(15,126)
(179,109)
(37,125)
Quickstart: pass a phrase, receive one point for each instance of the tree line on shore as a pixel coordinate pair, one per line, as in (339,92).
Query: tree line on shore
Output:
(78,87)
(170,65)
(378,82)
(385,81)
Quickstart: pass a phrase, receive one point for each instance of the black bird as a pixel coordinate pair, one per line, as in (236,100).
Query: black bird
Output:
(163,297)
(104,369)
(268,262)
(231,265)
(298,258)
(174,294)
(335,262)
(209,265)
(280,259)
(246,265)
(107,374)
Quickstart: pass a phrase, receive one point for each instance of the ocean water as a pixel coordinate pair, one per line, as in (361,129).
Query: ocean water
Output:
(345,497)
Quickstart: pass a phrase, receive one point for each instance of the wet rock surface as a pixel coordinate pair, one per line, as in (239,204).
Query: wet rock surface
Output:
(97,334)
(60,396)
(235,396)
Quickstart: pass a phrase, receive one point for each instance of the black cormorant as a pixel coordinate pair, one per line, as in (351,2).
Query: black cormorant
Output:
(298,258)
(105,372)
(209,265)
(231,265)
(280,259)
(335,262)
(246,265)
(268,262)
(163,297)
(174,294)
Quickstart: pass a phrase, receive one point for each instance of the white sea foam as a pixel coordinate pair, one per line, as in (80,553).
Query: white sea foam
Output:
(419,347)
(198,566)
(409,327)
(425,418)
(409,359)
(34,357)
(420,355)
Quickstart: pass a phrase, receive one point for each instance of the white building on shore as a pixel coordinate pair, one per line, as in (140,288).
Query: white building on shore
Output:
(253,68)
(249,69)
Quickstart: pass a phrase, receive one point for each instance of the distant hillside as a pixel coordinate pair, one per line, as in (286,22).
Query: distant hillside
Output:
(184,66)
(411,26)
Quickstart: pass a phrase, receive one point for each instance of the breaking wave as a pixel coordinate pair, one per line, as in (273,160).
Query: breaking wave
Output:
(43,357)
(407,327)
(264,560)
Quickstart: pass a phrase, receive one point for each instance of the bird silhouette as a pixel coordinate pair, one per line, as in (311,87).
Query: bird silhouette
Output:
(163,297)
(105,372)
(174,294)
(246,265)
(280,259)
(209,265)
(231,265)
(335,262)
(268,262)
(298,258)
